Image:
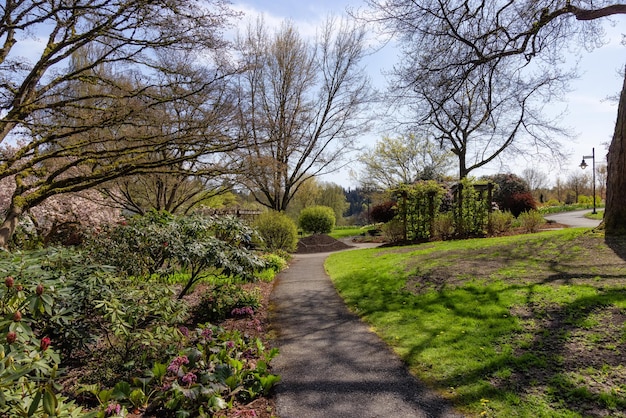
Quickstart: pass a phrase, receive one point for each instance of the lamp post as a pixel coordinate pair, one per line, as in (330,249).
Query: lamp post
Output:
(583,165)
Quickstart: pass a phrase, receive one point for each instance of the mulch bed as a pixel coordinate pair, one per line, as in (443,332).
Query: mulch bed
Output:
(320,243)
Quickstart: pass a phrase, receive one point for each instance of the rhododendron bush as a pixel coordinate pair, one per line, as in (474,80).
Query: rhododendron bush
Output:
(136,347)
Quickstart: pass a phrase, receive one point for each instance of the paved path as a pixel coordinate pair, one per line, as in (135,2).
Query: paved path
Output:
(574,219)
(331,365)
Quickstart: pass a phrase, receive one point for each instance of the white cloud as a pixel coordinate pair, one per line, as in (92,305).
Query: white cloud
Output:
(307,27)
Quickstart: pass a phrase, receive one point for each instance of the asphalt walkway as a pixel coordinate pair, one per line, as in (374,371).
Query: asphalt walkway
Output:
(574,219)
(331,365)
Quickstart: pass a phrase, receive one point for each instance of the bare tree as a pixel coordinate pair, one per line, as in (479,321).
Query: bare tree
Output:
(403,160)
(301,106)
(578,184)
(464,36)
(176,192)
(536,179)
(478,114)
(99,98)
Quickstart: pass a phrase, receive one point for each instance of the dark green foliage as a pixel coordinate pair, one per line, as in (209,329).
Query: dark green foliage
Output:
(317,219)
(58,303)
(160,243)
(65,309)
(219,302)
(384,212)
(277,230)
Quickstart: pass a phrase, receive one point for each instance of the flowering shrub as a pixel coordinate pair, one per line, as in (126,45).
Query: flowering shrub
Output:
(86,209)
(61,289)
(222,300)
(214,368)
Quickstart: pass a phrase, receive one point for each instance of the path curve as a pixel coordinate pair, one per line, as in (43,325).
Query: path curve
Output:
(331,365)
(574,219)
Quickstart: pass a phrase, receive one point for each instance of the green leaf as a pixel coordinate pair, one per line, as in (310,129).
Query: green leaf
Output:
(50,402)
(121,391)
(159,370)
(104,396)
(34,404)
(137,397)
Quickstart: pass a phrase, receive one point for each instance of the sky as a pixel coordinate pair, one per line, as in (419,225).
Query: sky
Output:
(589,115)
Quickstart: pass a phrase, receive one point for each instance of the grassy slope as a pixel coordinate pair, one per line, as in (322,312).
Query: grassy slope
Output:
(531,325)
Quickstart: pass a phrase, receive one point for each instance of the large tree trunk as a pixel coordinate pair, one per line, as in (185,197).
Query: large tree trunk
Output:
(615,210)
(10,223)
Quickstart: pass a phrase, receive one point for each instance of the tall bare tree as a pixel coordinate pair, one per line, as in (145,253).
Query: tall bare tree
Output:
(301,105)
(465,36)
(106,92)
(480,115)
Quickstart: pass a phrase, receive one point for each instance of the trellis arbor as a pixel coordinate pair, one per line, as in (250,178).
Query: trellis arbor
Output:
(428,209)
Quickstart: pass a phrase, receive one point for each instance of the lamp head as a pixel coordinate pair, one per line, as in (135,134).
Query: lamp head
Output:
(583,165)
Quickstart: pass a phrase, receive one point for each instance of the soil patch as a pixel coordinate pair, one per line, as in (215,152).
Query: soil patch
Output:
(320,243)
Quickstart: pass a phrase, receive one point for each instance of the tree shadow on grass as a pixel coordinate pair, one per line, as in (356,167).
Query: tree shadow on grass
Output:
(559,350)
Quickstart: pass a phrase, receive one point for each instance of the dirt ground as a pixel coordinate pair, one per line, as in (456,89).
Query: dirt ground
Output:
(319,243)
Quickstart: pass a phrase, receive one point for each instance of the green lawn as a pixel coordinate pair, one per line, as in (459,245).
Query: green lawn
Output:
(347,231)
(527,326)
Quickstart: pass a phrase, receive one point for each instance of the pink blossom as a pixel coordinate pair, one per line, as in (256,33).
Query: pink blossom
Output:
(177,363)
(112,409)
(189,378)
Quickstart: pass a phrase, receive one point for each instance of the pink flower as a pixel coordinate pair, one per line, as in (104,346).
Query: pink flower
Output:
(9,281)
(184,330)
(11,337)
(207,333)
(112,409)
(176,364)
(189,378)
(39,289)
(245,311)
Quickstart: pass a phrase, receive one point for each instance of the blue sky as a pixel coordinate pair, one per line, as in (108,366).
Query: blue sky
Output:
(588,114)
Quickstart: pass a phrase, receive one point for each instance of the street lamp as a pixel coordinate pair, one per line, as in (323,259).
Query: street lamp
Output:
(583,165)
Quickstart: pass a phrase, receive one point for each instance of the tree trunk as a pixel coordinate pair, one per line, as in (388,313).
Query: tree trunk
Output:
(10,223)
(615,210)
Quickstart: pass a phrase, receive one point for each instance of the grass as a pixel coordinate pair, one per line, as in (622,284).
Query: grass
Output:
(567,208)
(529,325)
(599,215)
(347,231)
